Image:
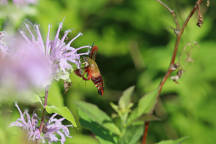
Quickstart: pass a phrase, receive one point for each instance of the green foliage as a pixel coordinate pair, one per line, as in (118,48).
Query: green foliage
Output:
(121,28)
(124,101)
(98,122)
(94,119)
(178,141)
(145,106)
(132,135)
(81,139)
(55,96)
(64,112)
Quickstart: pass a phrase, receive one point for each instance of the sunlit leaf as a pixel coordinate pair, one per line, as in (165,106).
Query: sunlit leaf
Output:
(145,106)
(92,113)
(64,112)
(132,135)
(54,95)
(126,98)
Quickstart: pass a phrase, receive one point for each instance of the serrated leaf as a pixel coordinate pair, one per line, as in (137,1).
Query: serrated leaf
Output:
(178,141)
(132,135)
(64,112)
(92,113)
(125,99)
(54,95)
(145,106)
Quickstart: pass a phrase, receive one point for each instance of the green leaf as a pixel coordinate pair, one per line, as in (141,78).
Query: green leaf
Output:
(36,98)
(92,113)
(126,98)
(103,135)
(54,95)
(145,106)
(115,107)
(178,141)
(63,111)
(132,135)
(81,139)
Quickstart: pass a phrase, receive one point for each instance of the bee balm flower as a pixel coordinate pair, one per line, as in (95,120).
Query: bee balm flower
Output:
(22,65)
(50,131)
(61,54)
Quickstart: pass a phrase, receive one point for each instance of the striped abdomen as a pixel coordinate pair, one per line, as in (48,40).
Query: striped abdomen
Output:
(98,81)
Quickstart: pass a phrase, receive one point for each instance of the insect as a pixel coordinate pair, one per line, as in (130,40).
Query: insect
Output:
(92,71)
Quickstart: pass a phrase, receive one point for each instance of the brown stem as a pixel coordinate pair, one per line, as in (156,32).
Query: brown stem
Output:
(172,62)
(172,12)
(145,132)
(44,110)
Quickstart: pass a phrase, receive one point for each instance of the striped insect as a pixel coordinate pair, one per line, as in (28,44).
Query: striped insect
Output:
(92,71)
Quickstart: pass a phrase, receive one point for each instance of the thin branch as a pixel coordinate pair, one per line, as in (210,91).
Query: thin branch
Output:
(172,62)
(172,12)
(44,110)
(145,132)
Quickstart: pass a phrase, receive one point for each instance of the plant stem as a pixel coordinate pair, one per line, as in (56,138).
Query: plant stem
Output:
(172,62)
(145,133)
(44,109)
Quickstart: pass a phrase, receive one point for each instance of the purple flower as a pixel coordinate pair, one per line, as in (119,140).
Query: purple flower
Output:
(23,65)
(61,54)
(53,127)
(50,132)
(28,63)
(29,124)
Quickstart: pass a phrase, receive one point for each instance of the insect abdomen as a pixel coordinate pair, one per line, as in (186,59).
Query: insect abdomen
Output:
(98,81)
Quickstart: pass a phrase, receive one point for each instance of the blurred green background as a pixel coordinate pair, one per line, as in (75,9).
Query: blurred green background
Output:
(135,40)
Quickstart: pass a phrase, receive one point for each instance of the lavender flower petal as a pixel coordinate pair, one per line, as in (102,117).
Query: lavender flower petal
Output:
(60,54)
(28,124)
(53,128)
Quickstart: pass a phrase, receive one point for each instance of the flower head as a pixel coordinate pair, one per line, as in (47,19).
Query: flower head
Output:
(61,54)
(23,65)
(50,131)
(53,127)
(27,61)
(29,124)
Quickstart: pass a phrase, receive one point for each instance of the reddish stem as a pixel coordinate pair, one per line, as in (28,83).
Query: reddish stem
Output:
(145,132)
(172,62)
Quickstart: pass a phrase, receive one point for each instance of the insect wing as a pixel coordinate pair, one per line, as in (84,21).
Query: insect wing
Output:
(93,52)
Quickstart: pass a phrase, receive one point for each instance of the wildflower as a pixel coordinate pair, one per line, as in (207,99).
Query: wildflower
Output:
(28,124)
(23,65)
(55,126)
(32,63)
(61,54)
(49,134)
